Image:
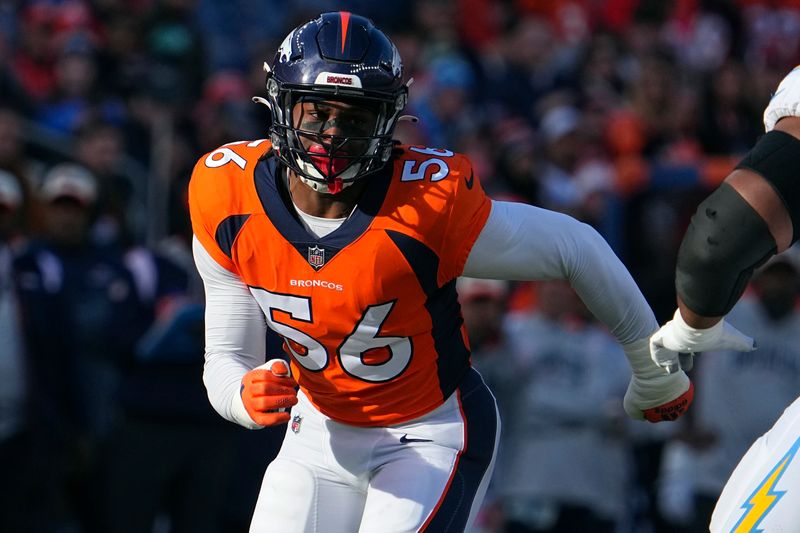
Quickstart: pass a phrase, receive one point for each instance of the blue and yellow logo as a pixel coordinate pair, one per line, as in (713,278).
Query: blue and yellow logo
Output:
(764,498)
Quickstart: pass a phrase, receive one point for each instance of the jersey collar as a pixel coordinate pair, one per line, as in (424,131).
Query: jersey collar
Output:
(278,208)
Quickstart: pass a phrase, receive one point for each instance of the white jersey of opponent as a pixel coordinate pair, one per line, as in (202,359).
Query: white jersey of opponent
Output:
(761,494)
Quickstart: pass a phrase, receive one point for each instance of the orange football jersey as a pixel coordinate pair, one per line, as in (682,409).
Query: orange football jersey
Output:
(369,313)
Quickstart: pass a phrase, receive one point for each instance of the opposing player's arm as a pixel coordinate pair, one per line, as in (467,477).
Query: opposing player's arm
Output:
(522,242)
(767,204)
(739,226)
(752,216)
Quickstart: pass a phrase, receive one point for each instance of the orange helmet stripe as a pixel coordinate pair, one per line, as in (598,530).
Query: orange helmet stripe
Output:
(345,21)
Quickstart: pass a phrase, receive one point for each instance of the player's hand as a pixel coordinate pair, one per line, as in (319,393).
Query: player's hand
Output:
(785,100)
(268,392)
(653,394)
(674,344)
(659,399)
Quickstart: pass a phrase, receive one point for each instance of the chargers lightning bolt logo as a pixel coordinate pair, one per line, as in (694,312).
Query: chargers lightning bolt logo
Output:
(764,498)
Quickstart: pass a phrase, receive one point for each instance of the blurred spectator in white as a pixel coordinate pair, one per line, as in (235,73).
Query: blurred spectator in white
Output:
(739,397)
(561,136)
(565,465)
(577,175)
(773,32)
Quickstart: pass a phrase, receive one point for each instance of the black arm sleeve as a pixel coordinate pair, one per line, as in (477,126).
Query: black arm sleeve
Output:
(726,240)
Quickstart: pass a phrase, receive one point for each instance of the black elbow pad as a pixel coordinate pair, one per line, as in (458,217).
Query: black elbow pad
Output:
(726,240)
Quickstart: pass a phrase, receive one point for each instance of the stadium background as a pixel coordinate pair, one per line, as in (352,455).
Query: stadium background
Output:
(622,113)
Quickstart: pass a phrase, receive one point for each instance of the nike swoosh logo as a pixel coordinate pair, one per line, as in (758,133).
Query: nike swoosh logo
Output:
(471,180)
(405,440)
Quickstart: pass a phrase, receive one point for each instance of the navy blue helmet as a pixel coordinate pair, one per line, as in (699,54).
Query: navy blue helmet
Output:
(341,58)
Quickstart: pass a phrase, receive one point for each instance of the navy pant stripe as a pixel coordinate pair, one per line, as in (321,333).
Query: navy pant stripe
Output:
(480,418)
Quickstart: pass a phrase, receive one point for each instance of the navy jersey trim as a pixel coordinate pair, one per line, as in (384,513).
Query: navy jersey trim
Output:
(227,231)
(443,308)
(453,360)
(481,426)
(281,213)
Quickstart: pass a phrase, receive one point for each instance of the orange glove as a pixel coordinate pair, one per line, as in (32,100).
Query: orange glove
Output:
(268,392)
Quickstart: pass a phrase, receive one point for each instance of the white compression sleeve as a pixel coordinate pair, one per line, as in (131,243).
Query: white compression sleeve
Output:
(523,242)
(235,336)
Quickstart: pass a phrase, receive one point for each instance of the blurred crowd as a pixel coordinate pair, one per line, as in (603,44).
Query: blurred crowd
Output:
(622,113)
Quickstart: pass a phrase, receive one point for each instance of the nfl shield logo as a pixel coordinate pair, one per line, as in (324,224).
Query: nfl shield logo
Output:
(316,257)
(296,421)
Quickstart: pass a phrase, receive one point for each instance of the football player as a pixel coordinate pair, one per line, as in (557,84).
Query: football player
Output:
(753,215)
(348,245)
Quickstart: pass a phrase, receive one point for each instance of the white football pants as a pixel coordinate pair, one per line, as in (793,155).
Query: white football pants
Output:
(429,474)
